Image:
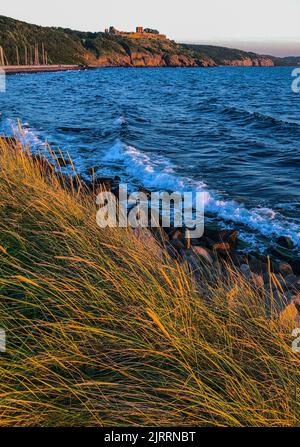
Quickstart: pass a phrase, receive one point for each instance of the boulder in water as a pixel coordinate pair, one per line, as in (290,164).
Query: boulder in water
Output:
(286,242)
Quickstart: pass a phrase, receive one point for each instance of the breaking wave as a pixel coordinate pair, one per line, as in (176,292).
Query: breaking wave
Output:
(158,174)
(25,134)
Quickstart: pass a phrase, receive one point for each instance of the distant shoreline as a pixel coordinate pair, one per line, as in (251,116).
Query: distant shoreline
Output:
(42,45)
(18,69)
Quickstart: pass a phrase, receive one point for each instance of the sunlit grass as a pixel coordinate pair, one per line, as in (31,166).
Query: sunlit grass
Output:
(103,328)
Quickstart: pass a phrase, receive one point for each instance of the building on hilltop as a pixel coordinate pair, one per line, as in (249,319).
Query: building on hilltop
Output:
(139,30)
(138,34)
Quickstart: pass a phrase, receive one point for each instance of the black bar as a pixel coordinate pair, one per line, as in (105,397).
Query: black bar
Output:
(152,436)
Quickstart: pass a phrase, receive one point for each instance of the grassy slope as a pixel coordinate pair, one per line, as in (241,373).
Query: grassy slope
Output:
(62,47)
(65,46)
(105,329)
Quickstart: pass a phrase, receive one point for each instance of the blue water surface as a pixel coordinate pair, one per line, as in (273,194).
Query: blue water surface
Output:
(233,132)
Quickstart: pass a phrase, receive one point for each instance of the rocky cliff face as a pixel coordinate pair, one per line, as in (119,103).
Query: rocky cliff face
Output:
(128,53)
(230,56)
(259,61)
(143,59)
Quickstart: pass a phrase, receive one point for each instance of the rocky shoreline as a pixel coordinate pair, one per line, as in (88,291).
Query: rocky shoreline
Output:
(277,272)
(278,269)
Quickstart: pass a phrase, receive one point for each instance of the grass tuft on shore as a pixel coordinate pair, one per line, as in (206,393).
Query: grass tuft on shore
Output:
(104,329)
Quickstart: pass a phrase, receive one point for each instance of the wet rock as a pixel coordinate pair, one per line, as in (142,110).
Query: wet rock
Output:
(193,261)
(283,253)
(177,245)
(203,253)
(289,295)
(212,231)
(245,269)
(230,237)
(222,248)
(285,242)
(145,236)
(258,266)
(285,269)
(257,280)
(171,231)
(178,236)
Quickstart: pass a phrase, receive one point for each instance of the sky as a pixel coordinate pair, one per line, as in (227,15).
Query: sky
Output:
(263,26)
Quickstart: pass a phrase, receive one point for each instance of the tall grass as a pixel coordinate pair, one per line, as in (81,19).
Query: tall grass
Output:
(104,329)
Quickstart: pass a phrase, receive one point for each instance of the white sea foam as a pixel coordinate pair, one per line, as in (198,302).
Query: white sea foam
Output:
(160,175)
(27,136)
(157,173)
(152,174)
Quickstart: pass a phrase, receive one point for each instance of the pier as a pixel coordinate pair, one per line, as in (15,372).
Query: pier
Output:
(15,69)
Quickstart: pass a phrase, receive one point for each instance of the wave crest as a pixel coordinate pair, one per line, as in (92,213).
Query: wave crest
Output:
(159,175)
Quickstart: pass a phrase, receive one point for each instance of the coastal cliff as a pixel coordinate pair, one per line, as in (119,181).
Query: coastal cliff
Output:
(231,57)
(259,61)
(124,52)
(20,40)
